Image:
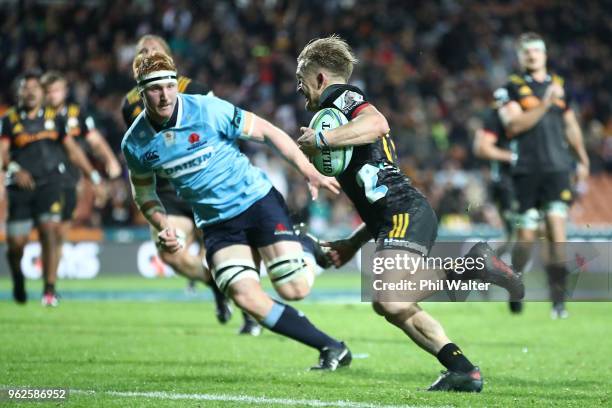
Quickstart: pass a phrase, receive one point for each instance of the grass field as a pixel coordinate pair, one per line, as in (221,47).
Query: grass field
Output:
(165,349)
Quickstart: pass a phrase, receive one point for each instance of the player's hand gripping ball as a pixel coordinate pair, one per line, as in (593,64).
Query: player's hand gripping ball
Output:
(329,161)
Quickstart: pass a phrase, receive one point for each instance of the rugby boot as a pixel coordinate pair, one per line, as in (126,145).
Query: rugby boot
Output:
(332,358)
(458,382)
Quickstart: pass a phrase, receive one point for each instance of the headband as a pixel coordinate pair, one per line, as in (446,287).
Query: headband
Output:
(538,44)
(156,77)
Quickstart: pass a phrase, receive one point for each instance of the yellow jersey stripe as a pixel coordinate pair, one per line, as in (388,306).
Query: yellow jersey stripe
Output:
(406,221)
(392,232)
(400,225)
(386,148)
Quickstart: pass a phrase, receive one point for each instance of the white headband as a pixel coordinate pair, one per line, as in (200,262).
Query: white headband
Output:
(156,77)
(537,44)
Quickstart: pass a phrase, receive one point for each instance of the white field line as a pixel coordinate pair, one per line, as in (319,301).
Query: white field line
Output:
(240,398)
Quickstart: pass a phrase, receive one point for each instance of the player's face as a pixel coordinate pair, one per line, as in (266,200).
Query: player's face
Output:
(149,47)
(56,93)
(307,86)
(532,58)
(30,93)
(160,100)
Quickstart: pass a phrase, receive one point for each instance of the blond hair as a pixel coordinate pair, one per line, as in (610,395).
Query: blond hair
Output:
(331,53)
(152,37)
(51,77)
(157,61)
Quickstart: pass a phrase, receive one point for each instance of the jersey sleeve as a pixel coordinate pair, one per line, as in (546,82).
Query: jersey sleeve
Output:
(132,161)
(62,128)
(126,112)
(196,88)
(228,119)
(350,101)
(512,92)
(490,124)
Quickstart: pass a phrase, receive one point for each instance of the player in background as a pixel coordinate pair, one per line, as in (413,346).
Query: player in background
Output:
(193,141)
(491,143)
(544,132)
(35,147)
(395,214)
(179,211)
(82,128)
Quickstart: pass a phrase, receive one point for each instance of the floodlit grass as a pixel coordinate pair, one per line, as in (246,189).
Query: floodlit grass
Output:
(177,347)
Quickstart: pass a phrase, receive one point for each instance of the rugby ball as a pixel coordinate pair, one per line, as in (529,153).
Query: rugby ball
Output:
(330,162)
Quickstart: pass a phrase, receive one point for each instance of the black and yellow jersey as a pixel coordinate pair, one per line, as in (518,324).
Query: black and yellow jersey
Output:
(36,143)
(544,147)
(372,180)
(78,125)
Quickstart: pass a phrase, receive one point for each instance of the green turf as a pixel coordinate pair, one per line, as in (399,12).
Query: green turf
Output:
(178,347)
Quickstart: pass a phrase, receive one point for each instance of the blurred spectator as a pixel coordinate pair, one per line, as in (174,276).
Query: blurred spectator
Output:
(429,67)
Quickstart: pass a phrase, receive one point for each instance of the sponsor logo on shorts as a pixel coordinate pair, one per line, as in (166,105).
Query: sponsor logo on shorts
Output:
(56,207)
(400,243)
(281,229)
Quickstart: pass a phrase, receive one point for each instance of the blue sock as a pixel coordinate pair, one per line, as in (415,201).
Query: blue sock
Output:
(287,321)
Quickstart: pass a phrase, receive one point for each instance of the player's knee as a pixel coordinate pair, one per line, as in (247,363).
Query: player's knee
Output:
(291,276)
(393,311)
(297,289)
(250,297)
(231,273)
(528,220)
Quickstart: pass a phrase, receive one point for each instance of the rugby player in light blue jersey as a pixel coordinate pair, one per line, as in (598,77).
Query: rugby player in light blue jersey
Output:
(192,141)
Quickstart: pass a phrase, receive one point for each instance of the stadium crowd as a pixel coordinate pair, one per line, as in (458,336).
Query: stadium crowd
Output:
(429,67)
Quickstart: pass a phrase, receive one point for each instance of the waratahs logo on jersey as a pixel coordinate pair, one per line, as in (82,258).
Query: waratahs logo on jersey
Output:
(188,164)
(195,142)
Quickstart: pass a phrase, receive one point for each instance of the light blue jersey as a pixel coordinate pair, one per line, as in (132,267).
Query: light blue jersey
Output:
(200,157)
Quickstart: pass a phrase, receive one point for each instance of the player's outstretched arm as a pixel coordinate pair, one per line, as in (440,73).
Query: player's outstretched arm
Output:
(576,141)
(261,130)
(484,147)
(341,251)
(101,149)
(78,157)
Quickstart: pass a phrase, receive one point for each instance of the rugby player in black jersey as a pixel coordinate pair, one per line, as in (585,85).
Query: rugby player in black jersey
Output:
(545,135)
(81,126)
(36,147)
(395,214)
(491,143)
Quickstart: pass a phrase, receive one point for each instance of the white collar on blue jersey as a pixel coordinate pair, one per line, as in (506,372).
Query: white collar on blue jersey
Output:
(179,116)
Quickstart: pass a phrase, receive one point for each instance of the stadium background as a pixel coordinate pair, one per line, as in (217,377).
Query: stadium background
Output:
(430,67)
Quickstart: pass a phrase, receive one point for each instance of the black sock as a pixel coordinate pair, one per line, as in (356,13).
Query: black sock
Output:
(247,317)
(50,288)
(219,296)
(285,320)
(557,281)
(451,357)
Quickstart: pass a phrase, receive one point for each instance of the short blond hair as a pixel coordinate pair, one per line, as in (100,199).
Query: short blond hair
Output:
(152,37)
(331,53)
(156,61)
